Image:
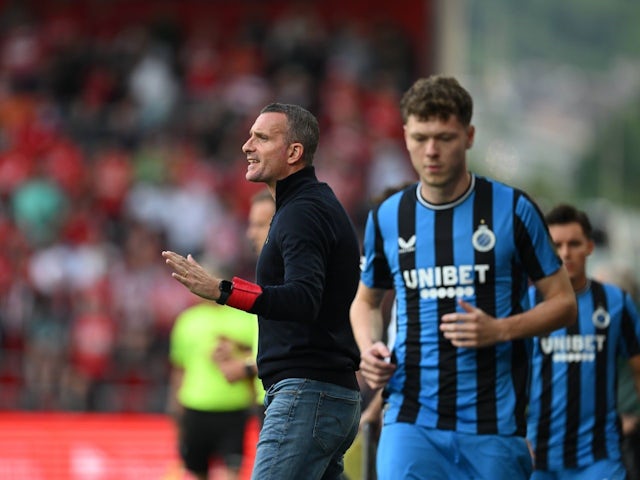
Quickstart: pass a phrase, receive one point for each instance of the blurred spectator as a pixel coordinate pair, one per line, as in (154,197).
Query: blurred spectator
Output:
(153,87)
(39,208)
(22,56)
(91,346)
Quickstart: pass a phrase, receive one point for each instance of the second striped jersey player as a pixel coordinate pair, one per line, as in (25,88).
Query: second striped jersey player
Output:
(573,422)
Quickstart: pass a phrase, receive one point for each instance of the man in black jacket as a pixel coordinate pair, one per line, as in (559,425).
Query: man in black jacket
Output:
(307,275)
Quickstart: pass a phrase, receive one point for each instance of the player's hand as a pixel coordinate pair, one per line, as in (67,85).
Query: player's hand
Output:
(224,351)
(375,366)
(233,370)
(191,274)
(472,328)
(630,423)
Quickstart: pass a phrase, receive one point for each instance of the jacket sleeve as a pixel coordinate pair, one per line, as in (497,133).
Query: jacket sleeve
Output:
(306,239)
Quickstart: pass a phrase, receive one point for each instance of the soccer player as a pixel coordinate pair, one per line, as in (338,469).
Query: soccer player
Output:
(458,249)
(573,423)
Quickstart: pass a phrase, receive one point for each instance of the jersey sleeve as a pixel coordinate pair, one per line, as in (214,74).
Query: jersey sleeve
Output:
(375,267)
(533,242)
(630,337)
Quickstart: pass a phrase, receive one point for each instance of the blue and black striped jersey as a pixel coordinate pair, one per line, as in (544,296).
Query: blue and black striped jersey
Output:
(573,420)
(483,248)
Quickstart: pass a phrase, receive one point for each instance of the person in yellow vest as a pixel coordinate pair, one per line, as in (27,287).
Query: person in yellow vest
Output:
(234,365)
(211,413)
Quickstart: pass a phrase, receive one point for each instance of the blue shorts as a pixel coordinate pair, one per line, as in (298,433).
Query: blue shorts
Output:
(609,469)
(408,451)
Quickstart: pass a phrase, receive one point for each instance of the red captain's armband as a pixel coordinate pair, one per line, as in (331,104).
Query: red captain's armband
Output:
(243,294)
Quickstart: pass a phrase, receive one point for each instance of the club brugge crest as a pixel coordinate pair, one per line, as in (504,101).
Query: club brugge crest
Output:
(483,238)
(601,318)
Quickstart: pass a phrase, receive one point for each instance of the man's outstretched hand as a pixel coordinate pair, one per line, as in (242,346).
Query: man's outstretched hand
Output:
(191,274)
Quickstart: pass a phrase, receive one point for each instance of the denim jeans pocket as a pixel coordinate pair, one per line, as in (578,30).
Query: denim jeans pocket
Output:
(336,420)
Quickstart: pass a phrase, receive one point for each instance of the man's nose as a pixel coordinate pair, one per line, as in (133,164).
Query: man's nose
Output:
(431,148)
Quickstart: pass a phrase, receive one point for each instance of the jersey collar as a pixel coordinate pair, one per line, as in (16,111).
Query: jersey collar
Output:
(454,203)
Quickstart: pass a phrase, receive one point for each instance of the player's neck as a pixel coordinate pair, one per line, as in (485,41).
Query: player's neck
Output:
(580,284)
(441,194)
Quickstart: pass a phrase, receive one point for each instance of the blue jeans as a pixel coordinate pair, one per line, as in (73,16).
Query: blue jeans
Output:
(308,426)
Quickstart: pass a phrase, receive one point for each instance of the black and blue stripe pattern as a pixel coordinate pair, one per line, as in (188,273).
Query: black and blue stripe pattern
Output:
(573,420)
(482,248)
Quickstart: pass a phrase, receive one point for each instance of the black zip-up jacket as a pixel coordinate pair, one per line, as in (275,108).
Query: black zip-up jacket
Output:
(309,271)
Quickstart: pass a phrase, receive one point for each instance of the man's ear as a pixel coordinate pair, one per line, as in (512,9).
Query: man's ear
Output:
(295,153)
(471,134)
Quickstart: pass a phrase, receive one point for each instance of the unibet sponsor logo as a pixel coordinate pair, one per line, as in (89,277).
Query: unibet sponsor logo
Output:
(572,348)
(448,281)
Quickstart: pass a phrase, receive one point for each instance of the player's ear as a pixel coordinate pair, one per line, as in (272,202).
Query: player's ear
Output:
(471,133)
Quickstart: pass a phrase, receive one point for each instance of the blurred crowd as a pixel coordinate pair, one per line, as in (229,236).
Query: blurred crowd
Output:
(119,139)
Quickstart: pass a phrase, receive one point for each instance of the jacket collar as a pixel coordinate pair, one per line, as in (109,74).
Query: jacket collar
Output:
(289,186)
